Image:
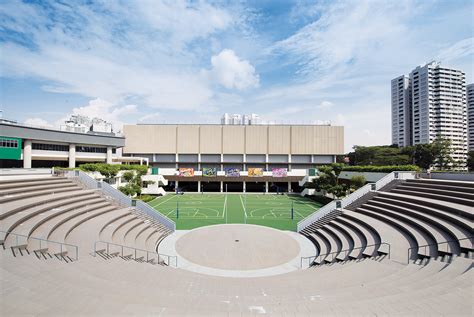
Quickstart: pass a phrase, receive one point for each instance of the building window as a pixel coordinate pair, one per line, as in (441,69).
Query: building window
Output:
(50,147)
(7,143)
(91,149)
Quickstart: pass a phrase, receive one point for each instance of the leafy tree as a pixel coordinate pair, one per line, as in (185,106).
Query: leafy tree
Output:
(442,153)
(357,182)
(470,161)
(328,180)
(423,155)
(379,155)
(128,176)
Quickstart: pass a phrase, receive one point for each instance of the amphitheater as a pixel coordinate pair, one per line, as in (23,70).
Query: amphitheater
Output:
(73,247)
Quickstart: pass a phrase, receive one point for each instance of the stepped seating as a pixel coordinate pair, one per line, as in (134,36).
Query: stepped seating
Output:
(360,281)
(63,212)
(420,219)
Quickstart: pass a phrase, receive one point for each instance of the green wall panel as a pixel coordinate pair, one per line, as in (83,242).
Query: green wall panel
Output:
(7,152)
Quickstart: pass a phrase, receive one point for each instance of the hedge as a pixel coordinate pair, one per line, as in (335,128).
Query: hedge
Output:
(381,169)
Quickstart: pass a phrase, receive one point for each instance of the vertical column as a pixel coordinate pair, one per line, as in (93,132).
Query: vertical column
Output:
(72,155)
(176,185)
(289,162)
(266,162)
(109,155)
(245,162)
(27,154)
(199,162)
(199,186)
(266,187)
(176,160)
(289,187)
(222,160)
(244,186)
(222,186)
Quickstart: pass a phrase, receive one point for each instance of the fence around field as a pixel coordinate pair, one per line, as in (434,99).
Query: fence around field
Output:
(119,197)
(346,201)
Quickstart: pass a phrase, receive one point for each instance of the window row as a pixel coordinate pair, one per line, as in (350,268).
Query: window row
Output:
(7,143)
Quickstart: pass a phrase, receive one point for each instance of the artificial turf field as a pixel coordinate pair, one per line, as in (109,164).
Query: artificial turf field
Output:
(193,210)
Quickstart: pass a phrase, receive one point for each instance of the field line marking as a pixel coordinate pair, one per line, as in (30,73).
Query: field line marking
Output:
(225,204)
(164,201)
(243,206)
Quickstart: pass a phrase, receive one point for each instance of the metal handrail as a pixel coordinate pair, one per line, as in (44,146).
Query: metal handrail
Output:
(409,251)
(166,258)
(61,244)
(121,198)
(346,252)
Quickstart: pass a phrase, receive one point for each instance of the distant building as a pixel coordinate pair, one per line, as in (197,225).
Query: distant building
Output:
(431,102)
(470,115)
(238,119)
(83,124)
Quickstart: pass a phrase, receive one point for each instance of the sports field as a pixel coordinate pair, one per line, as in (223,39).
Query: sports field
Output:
(196,210)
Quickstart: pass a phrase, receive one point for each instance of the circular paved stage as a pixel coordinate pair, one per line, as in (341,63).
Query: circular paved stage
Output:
(237,250)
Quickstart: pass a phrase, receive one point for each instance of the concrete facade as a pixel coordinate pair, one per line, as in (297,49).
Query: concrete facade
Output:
(294,147)
(52,147)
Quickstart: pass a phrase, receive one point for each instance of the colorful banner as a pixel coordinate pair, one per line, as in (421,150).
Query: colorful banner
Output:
(186,171)
(279,172)
(232,172)
(209,171)
(255,172)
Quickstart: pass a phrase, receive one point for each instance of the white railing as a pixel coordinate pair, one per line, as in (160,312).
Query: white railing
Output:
(346,201)
(148,210)
(25,171)
(121,198)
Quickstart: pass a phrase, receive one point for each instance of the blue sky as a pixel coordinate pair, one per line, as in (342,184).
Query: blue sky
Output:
(177,61)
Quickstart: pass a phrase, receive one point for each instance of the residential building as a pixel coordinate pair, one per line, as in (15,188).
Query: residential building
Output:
(401,111)
(470,115)
(431,102)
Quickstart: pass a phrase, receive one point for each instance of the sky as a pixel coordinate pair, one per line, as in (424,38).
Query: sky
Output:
(151,61)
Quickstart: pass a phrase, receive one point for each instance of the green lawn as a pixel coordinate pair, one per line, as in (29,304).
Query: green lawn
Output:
(196,210)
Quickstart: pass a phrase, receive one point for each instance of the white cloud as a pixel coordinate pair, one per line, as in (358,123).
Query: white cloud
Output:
(232,72)
(458,50)
(150,118)
(38,122)
(99,108)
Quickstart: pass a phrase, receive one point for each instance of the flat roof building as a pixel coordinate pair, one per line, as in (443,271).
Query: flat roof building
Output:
(29,146)
(291,149)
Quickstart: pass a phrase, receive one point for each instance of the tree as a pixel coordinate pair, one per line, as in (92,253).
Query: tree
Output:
(357,182)
(379,155)
(423,155)
(470,161)
(328,180)
(442,153)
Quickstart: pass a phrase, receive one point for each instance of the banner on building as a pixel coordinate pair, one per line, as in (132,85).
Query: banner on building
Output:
(186,171)
(209,171)
(255,172)
(279,172)
(232,172)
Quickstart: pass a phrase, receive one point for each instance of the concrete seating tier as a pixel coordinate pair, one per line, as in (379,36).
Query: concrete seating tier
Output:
(420,219)
(359,279)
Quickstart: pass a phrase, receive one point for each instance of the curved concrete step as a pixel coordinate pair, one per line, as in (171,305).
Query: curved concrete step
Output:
(12,207)
(30,223)
(356,234)
(441,229)
(370,233)
(324,244)
(346,239)
(139,235)
(444,190)
(30,183)
(446,196)
(61,232)
(109,229)
(336,244)
(120,234)
(51,187)
(416,236)
(87,234)
(444,186)
(454,213)
(430,234)
(10,222)
(43,192)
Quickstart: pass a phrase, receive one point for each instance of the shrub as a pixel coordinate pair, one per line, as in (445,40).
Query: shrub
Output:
(358,181)
(381,169)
